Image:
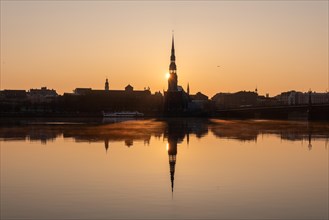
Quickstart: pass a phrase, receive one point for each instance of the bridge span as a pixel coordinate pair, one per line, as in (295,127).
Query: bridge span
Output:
(309,112)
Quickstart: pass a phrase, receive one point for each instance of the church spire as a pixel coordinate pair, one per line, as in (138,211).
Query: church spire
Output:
(172,57)
(172,80)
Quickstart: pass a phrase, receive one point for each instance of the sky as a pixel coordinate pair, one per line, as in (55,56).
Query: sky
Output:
(221,46)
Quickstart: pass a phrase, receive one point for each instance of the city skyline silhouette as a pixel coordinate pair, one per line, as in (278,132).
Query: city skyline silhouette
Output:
(227,47)
(120,109)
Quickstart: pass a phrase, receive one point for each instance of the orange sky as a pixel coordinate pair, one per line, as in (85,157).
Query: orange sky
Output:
(274,45)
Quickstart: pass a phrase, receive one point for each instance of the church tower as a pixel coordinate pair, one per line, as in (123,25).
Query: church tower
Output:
(175,98)
(172,80)
(107,85)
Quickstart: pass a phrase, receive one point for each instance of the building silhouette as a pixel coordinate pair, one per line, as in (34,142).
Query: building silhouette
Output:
(299,98)
(94,101)
(235,100)
(173,102)
(42,95)
(107,87)
(175,98)
(173,78)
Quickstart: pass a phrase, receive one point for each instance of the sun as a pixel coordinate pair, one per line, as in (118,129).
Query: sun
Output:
(167,75)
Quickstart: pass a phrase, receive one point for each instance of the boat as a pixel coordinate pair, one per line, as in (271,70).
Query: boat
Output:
(123,114)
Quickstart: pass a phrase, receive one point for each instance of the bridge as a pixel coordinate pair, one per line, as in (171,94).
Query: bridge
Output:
(304,111)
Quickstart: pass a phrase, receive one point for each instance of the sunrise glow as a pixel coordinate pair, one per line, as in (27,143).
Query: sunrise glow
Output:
(255,43)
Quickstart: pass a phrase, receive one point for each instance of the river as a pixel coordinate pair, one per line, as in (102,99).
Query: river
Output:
(164,169)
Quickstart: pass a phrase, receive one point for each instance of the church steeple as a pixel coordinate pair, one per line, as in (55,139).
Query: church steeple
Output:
(107,85)
(172,80)
(172,57)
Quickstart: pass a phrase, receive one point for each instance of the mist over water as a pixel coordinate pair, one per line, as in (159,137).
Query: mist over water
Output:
(164,169)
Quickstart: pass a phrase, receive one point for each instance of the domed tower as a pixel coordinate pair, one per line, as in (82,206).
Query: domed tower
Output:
(172,80)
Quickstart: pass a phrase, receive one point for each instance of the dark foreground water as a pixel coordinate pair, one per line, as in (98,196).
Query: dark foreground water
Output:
(164,169)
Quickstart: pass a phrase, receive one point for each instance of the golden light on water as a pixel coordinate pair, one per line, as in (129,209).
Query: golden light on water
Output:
(167,75)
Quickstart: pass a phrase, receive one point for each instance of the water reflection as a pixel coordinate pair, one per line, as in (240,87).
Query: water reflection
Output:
(175,130)
(221,170)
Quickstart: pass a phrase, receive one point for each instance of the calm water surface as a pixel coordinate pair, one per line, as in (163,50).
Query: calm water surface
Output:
(164,169)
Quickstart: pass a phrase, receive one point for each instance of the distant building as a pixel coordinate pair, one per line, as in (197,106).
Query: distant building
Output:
(199,96)
(266,100)
(90,100)
(43,92)
(129,88)
(42,95)
(198,102)
(283,97)
(82,91)
(14,95)
(317,98)
(235,100)
(107,87)
(299,98)
(12,100)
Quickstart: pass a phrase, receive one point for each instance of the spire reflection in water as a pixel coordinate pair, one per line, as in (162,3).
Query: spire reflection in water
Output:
(46,166)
